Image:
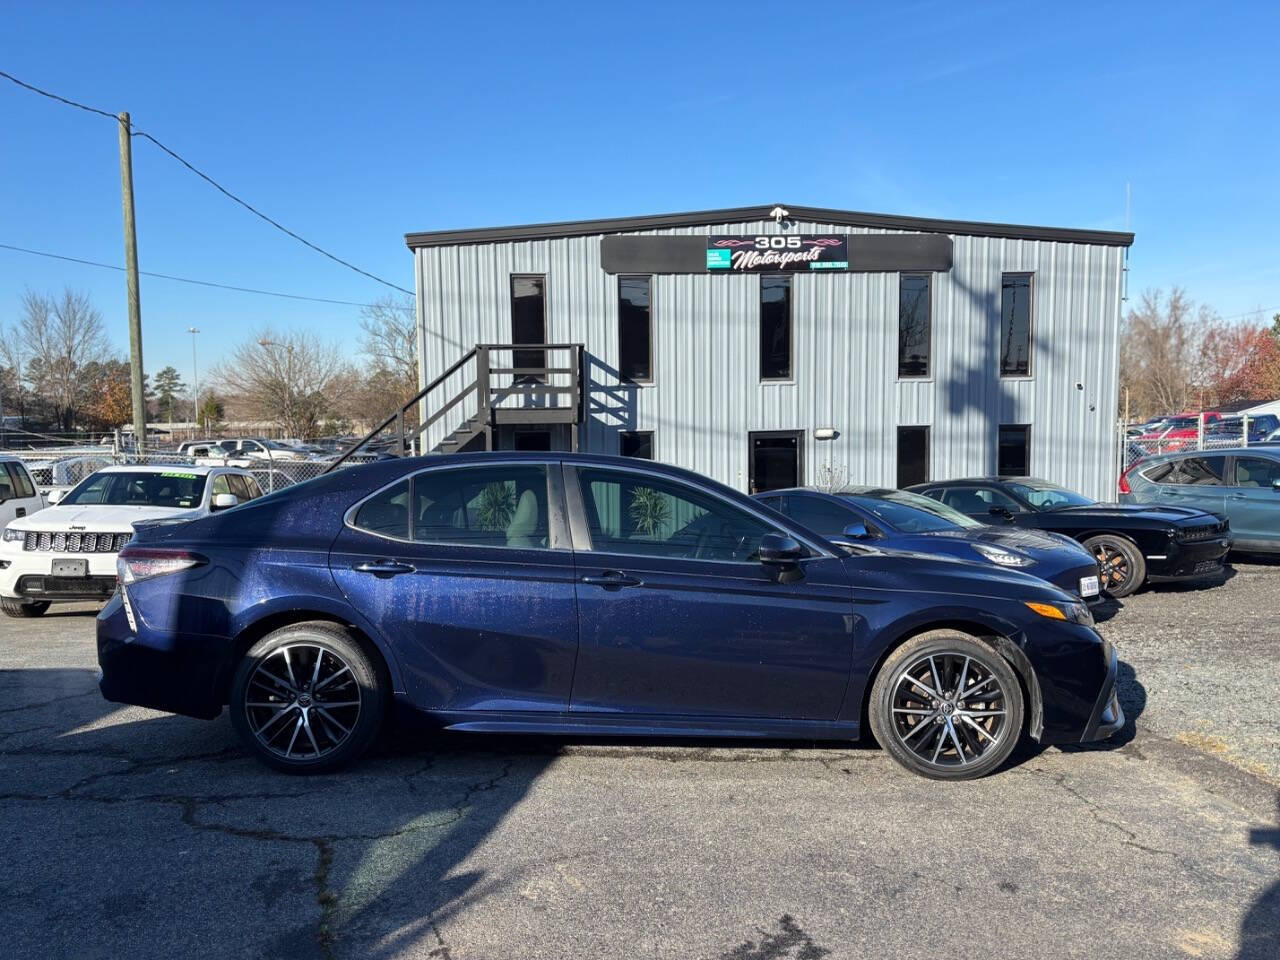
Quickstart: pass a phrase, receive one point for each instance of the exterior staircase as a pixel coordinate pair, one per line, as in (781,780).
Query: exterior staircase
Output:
(491,385)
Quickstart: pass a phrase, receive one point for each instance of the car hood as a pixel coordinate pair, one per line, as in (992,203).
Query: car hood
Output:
(1026,540)
(96,518)
(893,569)
(1122,511)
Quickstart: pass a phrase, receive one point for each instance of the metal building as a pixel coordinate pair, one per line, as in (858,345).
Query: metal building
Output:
(766,346)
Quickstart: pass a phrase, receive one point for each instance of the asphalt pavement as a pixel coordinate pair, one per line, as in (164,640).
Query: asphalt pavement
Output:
(129,833)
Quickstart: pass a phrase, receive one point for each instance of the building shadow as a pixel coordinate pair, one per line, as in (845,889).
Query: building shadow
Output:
(1260,928)
(611,405)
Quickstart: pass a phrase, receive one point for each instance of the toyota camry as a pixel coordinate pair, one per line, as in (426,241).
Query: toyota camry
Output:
(585,595)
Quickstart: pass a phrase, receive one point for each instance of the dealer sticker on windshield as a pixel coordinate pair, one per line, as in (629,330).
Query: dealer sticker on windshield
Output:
(1088,586)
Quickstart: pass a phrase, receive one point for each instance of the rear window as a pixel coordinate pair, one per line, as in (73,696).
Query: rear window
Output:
(1188,471)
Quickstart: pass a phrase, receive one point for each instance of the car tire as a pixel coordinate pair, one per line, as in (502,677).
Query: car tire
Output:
(1121,567)
(308,698)
(972,737)
(23,608)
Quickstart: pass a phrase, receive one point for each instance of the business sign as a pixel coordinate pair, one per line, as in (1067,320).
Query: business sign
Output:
(777,253)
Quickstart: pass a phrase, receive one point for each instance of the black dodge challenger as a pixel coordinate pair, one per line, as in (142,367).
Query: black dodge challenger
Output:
(1134,543)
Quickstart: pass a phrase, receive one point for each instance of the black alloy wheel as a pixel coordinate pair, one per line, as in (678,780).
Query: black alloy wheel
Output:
(1121,566)
(947,706)
(308,698)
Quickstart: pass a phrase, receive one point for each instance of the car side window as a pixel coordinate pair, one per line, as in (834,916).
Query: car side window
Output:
(251,485)
(498,506)
(1195,471)
(239,487)
(386,513)
(219,485)
(979,500)
(643,515)
(7,487)
(1256,472)
(821,515)
(22,480)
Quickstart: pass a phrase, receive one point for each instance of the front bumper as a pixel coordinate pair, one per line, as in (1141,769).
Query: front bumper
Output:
(1107,716)
(1187,560)
(159,671)
(28,575)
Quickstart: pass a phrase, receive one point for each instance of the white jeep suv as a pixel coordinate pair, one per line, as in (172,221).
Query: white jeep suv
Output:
(68,551)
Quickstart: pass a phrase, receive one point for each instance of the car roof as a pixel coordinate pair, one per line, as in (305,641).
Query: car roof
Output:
(987,479)
(1262,448)
(198,470)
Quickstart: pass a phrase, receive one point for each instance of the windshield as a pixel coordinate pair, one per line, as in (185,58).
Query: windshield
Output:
(1045,496)
(912,513)
(176,489)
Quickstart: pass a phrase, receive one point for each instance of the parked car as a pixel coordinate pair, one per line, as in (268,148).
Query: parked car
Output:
(18,494)
(261,448)
(1176,433)
(1241,484)
(579,594)
(1232,430)
(908,521)
(68,551)
(1133,544)
(54,478)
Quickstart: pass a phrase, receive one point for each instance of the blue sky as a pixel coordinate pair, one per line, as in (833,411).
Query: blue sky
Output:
(354,124)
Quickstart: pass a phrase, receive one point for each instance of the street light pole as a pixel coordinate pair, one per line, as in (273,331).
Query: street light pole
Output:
(195,384)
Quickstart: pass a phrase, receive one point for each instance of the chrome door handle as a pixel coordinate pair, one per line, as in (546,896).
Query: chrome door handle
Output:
(382,568)
(613,578)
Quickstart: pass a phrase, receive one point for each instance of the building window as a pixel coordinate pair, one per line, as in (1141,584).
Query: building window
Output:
(529,318)
(636,443)
(775,328)
(1014,454)
(777,460)
(913,455)
(635,332)
(1015,325)
(915,324)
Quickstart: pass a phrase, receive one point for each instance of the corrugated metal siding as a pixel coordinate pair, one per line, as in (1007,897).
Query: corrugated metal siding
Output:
(706,395)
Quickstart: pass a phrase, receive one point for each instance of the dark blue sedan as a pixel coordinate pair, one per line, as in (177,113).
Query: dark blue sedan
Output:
(908,521)
(574,594)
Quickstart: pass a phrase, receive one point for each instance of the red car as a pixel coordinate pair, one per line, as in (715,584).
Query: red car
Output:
(1176,431)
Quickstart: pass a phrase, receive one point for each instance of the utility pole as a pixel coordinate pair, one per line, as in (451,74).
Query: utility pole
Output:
(195,385)
(131,283)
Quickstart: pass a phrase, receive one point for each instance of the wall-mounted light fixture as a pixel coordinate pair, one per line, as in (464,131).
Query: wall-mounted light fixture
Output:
(825,433)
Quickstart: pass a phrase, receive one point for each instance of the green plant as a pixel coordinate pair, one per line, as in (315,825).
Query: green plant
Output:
(496,506)
(650,510)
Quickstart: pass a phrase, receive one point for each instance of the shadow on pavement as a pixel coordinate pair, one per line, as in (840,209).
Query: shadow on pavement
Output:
(1260,929)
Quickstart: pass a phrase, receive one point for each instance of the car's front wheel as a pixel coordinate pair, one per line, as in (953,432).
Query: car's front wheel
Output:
(23,608)
(1121,566)
(947,706)
(308,698)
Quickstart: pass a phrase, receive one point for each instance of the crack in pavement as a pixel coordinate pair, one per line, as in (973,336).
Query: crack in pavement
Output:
(1130,838)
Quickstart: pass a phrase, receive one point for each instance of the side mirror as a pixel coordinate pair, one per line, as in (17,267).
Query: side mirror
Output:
(224,501)
(53,496)
(856,531)
(1275,485)
(777,549)
(1002,512)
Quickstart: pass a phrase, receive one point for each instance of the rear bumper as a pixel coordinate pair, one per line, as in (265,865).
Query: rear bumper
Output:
(156,670)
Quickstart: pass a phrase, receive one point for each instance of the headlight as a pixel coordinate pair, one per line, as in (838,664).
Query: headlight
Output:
(12,536)
(1071,612)
(1004,558)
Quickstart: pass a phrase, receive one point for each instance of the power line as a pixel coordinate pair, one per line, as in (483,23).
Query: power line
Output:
(166,276)
(208,179)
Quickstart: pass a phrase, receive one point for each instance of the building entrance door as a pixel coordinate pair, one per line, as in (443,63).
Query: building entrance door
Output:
(776,459)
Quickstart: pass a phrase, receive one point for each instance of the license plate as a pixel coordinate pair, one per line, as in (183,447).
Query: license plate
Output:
(1088,586)
(70,568)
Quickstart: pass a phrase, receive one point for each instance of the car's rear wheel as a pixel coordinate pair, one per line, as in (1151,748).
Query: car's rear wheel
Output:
(947,706)
(1121,566)
(23,608)
(308,698)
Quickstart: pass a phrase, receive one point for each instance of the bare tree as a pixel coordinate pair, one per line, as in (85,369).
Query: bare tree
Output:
(1160,352)
(290,379)
(390,343)
(54,341)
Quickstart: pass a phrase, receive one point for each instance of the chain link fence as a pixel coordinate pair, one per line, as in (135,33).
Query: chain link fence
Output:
(1135,447)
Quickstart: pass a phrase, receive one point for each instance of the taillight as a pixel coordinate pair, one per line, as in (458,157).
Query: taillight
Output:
(143,563)
(1124,481)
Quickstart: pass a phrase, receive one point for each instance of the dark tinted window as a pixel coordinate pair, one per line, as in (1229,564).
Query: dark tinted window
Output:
(1015,325)
(239,487)
(498,506)
(914,324)
(386,514)
(913,455)
(820,514)
(1190,471)
(1256,472)
(636,443)
(775,328)
(775,461)
(528,319)
(635,354)
(1014,453)
(978,501)
(650,516)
